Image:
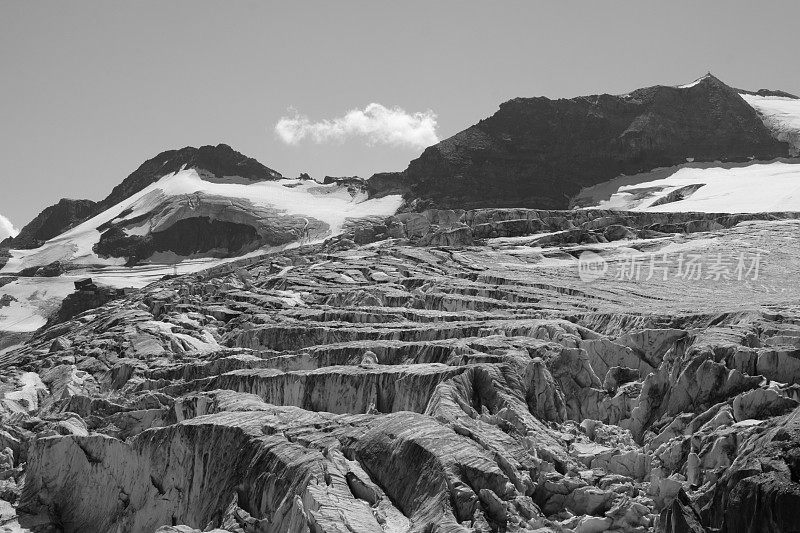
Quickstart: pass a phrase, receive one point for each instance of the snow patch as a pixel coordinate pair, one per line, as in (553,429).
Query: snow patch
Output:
(34,300)
(695,82)
(781,115)
(757,188)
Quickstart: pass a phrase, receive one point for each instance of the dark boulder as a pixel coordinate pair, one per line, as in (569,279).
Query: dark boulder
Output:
(189,236)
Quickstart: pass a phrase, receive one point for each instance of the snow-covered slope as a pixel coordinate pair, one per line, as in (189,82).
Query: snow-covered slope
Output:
(33,299)
(276,214)
(714,186)
(693,83)
(29,301)
(305,210)
(754,188)
(781,115)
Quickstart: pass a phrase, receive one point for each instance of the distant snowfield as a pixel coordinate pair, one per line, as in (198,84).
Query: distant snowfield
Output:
(331,204)
(36,298)
(715,187)
(756,188)
(781,115)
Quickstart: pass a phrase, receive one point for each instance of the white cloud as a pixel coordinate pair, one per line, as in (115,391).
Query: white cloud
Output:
(7,229)
(376,123)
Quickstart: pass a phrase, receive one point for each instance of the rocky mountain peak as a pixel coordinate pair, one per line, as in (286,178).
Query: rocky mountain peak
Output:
(211,161)
(538,152)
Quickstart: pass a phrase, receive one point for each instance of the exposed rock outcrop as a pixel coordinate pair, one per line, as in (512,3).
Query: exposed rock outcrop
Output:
(537,152)
(53,221)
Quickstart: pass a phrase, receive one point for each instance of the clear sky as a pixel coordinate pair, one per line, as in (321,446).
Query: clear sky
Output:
(91,89)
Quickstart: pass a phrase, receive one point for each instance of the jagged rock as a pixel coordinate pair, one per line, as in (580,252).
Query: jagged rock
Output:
(664,489)
(631,464)
(6,458)
(60,344)
(544,398)
(680,517)
(617,376)
(217,161)
(588,500)
(766,502)
(761,403)
(484,387)
(779,364)
(593,524)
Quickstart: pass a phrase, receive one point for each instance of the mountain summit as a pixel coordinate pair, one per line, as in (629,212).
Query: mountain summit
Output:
(538,152)
(212,162)
(210,201)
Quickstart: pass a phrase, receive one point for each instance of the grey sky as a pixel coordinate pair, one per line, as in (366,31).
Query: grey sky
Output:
(90,89)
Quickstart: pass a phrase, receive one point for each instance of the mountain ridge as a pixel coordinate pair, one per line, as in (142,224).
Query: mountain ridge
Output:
(538,152)
(219,161)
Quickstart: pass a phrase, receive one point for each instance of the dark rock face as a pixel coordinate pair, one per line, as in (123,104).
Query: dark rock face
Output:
(385,183)
(761,490)
(192,235)
(4,253)
(764,504)
(680,517)
(202,223)
(56,268)
(53,221)
(83,300)
(537,152)
(219,161)
(185,237)
(769,92)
